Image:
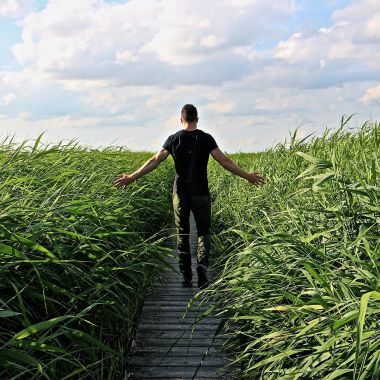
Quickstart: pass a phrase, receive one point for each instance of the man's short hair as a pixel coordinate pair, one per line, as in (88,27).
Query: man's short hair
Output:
(189,113)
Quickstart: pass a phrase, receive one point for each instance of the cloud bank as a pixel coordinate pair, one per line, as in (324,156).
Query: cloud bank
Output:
(119,72)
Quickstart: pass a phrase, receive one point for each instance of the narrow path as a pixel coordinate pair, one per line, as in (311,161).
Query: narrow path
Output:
(166,345)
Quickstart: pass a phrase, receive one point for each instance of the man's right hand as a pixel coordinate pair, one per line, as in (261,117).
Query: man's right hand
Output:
(256,179)
(123,180)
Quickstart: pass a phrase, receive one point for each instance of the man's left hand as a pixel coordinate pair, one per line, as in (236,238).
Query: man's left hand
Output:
(256,179)
(123,180)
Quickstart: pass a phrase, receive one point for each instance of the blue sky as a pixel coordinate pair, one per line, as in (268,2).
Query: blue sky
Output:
(9,35)
(119,71)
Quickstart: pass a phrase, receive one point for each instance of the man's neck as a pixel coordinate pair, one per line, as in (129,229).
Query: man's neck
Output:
(190,126)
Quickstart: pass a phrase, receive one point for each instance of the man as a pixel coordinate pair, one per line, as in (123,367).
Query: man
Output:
(190,149)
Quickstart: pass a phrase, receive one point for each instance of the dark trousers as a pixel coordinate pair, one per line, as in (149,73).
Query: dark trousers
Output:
(200,205)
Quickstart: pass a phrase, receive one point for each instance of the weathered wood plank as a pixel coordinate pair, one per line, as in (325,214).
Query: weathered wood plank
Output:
(176,327)
(170,297)
(163,319)
(175,284)
(157,313)
(160,351)
(177,378)
(191,361)
(200,334)
(177,297)
(173,302)
(180,372)
(177,318)
(179,305)
(181,342)
(189,292)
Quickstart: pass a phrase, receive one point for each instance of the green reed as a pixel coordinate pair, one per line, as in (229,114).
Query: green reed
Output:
(298,260)
(76,258)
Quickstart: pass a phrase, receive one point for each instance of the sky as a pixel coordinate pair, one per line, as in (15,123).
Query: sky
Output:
(117,72)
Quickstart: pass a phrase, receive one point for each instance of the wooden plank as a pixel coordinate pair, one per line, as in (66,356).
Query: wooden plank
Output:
(176,305)
(181,300)
(181,342)
(157,313)
(175,327)
(183,327)
(163,319)
(175,278)
(177,318)
(172,290)
(177,283)
(152,334)
(192,361)
(160,351)
(165,290)
(182,303)
(179,288)
(171,295)
(178,309)
(176,378)
(179,372)
(175,297)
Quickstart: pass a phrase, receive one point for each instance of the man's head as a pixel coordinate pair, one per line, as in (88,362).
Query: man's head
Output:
(189,114)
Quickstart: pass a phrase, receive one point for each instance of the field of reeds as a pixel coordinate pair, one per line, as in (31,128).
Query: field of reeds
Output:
(297,261)
(299,258)
(76,257)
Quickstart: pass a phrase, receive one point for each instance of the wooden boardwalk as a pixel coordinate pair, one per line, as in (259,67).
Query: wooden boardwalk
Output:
(168,343)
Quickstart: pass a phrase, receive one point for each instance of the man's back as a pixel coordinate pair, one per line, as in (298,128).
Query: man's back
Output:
(190,150)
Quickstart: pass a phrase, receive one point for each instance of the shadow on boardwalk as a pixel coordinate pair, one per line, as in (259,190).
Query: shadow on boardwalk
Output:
(168,343)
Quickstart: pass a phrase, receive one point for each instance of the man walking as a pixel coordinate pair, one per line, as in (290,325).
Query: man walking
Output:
(190,149)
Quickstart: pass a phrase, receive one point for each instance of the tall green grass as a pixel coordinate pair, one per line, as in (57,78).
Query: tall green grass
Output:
(299,259)
(76,257)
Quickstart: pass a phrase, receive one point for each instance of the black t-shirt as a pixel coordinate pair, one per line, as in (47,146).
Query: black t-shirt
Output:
(190,151)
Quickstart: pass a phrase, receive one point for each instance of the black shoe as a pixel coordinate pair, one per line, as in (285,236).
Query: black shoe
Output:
(202,276)
(186,282)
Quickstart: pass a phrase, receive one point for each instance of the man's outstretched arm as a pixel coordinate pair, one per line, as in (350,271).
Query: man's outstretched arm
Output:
(125,179)
(254,177)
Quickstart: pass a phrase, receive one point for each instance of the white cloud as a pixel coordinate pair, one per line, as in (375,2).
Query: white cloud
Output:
(293,50)
(14,8)
(125,56)
(373,26)
(7,98)
(211,41)
(354,36)
(359,9)
(221,107)
(68,34)
(14,83)
(372,95)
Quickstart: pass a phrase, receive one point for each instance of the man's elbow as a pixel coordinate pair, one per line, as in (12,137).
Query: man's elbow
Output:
(155,161)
